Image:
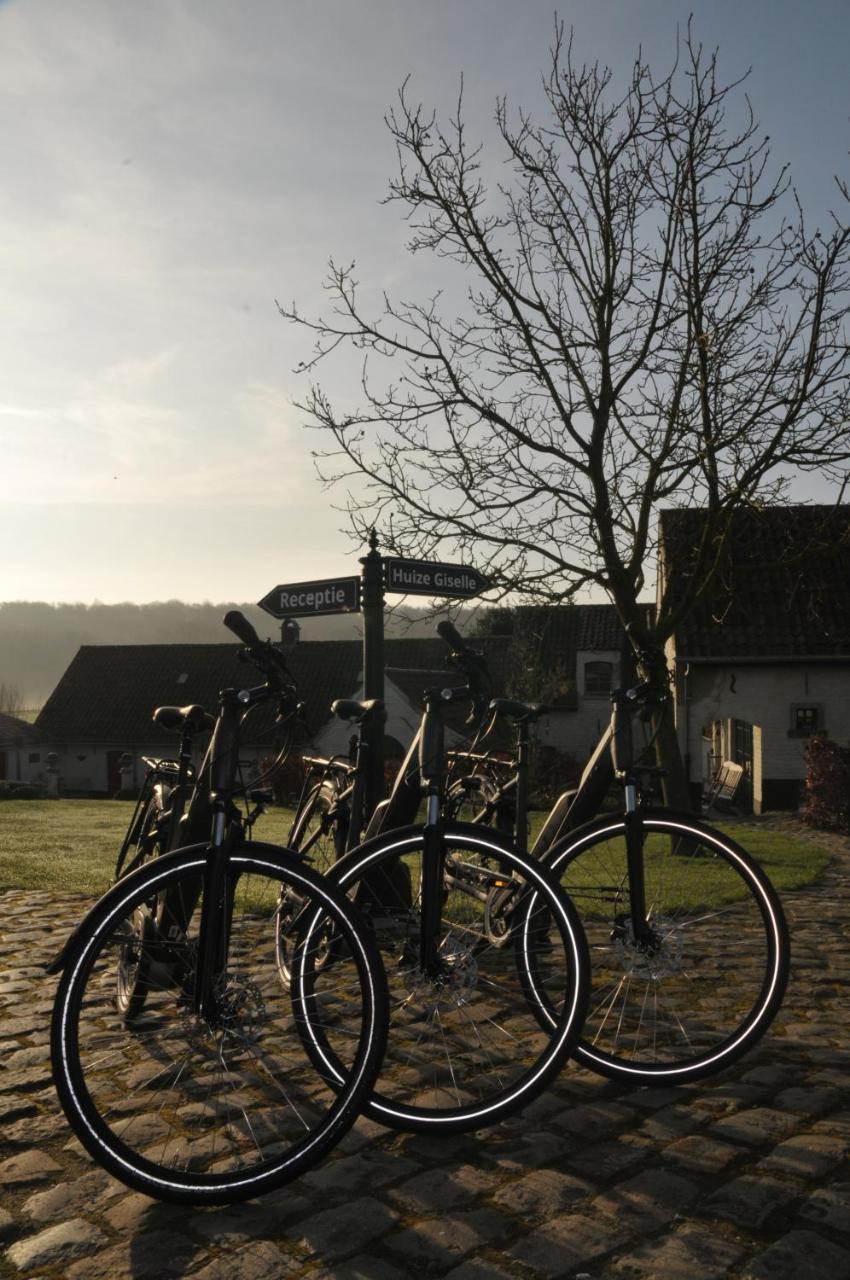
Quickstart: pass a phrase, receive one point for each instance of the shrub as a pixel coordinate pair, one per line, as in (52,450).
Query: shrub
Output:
(22,790)
(826,798)
(552,772)
(286,780)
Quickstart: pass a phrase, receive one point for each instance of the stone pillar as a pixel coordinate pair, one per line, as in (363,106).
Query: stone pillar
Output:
(52,775)
(127,767)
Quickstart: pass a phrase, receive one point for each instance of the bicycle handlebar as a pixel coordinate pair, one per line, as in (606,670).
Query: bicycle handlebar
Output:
(261,653)
(241,628)
(449,632)
(471,661)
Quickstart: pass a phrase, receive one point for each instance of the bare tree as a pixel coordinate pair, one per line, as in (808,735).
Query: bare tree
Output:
(10,699)
(647,322)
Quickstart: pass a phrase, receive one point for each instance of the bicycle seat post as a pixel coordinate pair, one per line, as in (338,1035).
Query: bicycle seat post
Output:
(622,756)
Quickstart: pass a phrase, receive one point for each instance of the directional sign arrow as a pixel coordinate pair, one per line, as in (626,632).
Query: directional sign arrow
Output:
(428,578)
(313,599)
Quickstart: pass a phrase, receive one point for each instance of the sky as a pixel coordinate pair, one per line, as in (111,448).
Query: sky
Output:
(172,168)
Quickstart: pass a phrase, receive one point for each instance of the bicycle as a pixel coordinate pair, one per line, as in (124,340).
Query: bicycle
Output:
(330,817)
(154,829)
(689,945)
(466,1045)
(211,1094)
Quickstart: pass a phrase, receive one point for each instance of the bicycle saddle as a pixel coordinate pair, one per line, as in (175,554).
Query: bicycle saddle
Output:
(351,709)
(518,710)
(193,718)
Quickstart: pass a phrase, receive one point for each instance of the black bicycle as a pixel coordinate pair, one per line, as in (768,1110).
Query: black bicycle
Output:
(154,828)
(465,1047)
(688,941)
(214,1091)
(330,816)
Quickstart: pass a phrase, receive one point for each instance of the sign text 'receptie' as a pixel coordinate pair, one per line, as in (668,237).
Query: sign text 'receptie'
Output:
(330,596)
(305,599)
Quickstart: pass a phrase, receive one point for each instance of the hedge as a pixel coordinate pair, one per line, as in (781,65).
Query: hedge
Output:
(826,796)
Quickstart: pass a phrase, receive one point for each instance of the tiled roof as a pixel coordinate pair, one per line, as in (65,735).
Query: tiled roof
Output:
(14,732)
(108,692)
(782,590)
(546,640)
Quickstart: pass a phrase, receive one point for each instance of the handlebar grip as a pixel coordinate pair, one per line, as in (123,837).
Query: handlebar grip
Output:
(449,632)
(241,627)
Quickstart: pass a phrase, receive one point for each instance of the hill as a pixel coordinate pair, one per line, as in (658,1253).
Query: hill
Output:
(38,640)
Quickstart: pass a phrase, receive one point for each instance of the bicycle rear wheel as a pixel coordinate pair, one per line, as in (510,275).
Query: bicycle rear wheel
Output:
(465,1048)
(707,984)
(320,830)
(131,985)
(319,835)
(220,1109)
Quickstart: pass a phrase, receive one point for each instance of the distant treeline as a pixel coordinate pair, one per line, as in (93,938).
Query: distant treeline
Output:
(37,640)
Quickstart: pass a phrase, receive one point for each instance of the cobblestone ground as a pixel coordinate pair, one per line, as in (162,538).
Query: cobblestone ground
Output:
(745,1177)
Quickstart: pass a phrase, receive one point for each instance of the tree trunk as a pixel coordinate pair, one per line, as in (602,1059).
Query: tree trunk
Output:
(675,786)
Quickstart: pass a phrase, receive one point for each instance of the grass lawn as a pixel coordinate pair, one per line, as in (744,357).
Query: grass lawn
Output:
(72,845)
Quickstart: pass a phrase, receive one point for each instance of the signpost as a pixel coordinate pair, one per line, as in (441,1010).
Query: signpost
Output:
(366,594)
(428,578)
(313,599)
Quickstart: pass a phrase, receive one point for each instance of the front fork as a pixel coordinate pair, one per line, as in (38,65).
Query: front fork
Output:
(641,930)
(216,917)
(433,866)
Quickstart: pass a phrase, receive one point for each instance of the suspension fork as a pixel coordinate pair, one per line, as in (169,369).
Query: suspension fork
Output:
(431,907)
(218,884)
(219,887)
(641,931)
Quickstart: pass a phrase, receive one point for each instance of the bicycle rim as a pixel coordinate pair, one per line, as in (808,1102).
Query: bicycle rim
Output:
(214,1111)
(706,985)
(465,1048)
(132,964)
(314,835)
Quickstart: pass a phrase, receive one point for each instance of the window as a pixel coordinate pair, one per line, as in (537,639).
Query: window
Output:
(598,677)
(806,719)
(35,757)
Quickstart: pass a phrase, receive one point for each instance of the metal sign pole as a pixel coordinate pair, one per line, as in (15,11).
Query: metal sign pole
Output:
(372,605)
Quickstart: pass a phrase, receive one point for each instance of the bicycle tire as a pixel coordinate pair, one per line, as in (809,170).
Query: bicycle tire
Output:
(709,987)
(317,838)
(488,1059)
(243,1109)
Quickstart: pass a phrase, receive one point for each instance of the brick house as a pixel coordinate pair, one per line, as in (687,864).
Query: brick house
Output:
(16,748)
(101,707)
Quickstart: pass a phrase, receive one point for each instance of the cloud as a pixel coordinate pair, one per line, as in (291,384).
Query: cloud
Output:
(118,439)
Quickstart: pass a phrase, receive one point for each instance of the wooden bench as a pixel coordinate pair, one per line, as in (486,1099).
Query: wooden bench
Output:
(723,786)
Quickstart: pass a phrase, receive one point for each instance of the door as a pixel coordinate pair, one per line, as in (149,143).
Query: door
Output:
(742,754)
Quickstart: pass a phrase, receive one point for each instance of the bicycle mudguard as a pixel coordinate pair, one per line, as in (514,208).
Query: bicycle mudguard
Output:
(57,964)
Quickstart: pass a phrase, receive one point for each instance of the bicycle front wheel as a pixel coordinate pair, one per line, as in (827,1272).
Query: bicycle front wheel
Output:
(465,1048)
(704,983)
(221,1107)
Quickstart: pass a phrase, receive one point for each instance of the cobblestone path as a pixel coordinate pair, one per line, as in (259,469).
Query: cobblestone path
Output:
(745,1177)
